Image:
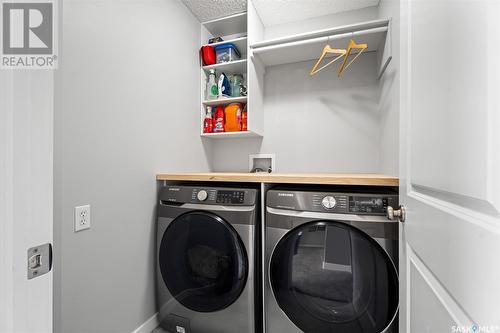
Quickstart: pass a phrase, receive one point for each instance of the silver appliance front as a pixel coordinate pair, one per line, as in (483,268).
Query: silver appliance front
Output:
(317,272)
(194,291)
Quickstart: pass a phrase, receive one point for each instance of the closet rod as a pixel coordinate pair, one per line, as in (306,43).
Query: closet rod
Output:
(320,39)
(322,33)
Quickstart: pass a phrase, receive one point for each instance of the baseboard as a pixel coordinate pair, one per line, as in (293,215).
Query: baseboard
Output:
(149,325)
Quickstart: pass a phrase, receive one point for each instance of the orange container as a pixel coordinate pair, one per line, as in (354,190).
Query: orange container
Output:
(233,117)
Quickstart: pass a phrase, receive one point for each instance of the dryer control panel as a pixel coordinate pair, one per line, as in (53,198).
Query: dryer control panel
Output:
(208,195)
(333,202)
(368,204)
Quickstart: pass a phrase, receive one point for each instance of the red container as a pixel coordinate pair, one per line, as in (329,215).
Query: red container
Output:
(244,120)
(207,54)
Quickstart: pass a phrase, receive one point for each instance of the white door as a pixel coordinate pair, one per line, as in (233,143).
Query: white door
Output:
(26,187)
(450,166)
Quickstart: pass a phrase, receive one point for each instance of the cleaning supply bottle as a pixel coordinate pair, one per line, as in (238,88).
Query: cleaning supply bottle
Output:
(219,120)
(212,91)
(224,87)
(233,117)
(208,124)
(244,119)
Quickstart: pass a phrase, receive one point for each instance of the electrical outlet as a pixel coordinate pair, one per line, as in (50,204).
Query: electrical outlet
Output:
(82,217)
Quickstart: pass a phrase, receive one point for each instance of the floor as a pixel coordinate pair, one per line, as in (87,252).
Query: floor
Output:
(159,330)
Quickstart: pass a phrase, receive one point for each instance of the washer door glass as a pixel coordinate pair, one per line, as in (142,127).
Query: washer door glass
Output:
(331,277)
(203,262)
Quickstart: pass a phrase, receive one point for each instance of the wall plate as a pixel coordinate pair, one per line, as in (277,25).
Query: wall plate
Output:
(82,218)
(262,161)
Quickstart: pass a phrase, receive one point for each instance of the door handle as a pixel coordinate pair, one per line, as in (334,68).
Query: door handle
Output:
(399,214)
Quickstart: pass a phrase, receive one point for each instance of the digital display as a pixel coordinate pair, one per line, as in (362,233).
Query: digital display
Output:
(232,197)
(367,204)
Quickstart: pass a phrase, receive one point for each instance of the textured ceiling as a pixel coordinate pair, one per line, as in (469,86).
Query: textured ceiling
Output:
(206,10)
(274,12)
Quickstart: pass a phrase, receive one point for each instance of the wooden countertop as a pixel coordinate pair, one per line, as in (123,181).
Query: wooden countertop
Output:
(286,178)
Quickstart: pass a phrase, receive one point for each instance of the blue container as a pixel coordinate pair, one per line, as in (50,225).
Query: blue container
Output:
(227,52)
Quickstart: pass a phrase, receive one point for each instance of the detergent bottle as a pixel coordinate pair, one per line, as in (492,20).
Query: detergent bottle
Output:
(233,117)
(219,120)
(208,123)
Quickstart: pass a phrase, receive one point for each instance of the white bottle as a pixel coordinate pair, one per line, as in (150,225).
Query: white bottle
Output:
(208,122)
(212,91)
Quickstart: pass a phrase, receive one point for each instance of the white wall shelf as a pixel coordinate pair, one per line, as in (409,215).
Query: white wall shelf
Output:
(307,46)
(231,67)
(227,26)
(231,135)
(225,101)
(236,29)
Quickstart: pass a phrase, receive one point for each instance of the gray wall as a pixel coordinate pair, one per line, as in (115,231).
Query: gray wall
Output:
(127,108)
(322,22)
(389,95)
(314,124)
(323,123)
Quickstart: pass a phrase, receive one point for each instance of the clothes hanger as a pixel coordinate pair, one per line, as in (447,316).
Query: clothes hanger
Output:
(352,45)
(327,49)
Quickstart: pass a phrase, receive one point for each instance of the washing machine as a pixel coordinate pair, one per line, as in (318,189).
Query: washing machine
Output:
(207,248)
(330,261)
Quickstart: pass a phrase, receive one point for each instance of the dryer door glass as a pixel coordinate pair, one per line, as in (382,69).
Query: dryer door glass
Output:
(331,277)
(203,262)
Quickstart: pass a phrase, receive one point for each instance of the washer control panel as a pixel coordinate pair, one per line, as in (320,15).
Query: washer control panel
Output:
(208,195)
(202,195)
(233,197)
(329,202)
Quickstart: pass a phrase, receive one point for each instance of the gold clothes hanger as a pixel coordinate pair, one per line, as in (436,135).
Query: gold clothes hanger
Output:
(352,45)
(326,50)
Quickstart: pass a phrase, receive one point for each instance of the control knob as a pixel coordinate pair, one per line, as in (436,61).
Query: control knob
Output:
(202,195)
(329,202)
